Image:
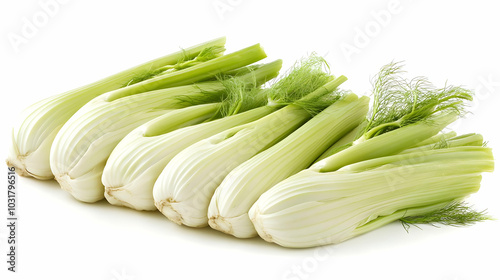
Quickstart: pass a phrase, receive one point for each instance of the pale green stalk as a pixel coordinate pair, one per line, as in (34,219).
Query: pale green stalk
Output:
(471,139)
(436,138)
(385,144)
(344,142)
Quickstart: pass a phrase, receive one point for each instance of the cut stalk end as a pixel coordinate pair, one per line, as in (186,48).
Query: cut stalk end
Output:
(112,195)
(19,167)
(239,226)
(221,224)
(167,209)
(255,217)
(81,188)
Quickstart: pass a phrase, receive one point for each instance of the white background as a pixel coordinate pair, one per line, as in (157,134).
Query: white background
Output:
(82,41)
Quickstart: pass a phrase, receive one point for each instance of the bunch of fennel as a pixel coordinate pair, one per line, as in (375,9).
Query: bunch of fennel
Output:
(299,163)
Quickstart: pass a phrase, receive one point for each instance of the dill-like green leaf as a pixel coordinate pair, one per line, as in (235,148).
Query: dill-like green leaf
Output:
(398,102)
(455,214)
(144,76)
(441,144)
(315,104)
(204,98)
(386,87)
(304,77)
(240,96)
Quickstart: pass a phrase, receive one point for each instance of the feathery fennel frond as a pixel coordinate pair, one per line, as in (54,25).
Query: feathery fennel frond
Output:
(308,85)
(385,85)
(240,96)
(398,102)
(143,77)
(441,144)
(241,92)
(304,77)
(314,104)
(454,214)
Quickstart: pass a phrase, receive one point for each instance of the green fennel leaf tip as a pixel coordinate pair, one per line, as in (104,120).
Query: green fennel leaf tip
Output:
(455,214)
(398,102)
